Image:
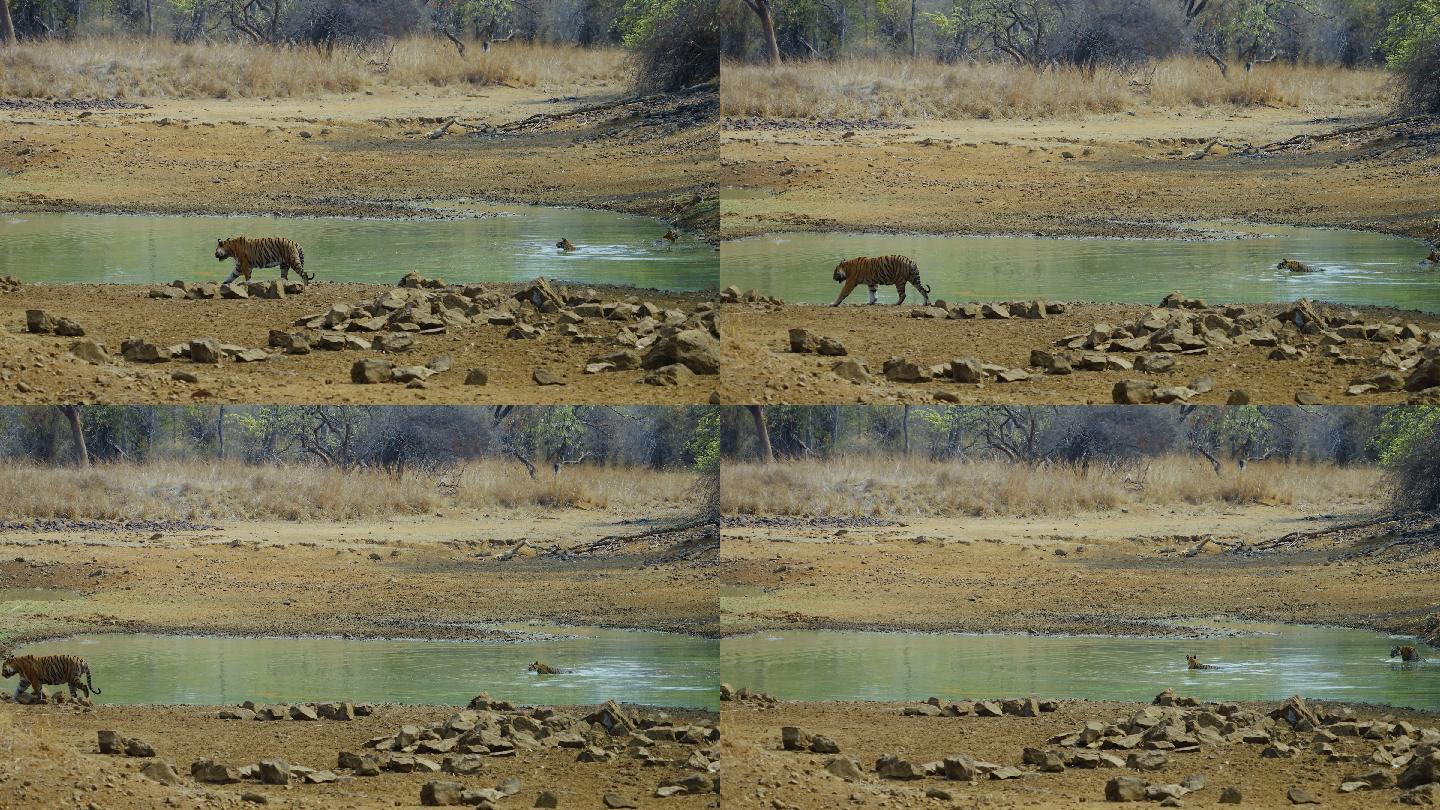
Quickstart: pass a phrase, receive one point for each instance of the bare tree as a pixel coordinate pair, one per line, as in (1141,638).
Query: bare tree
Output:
(762,433)
(7,24)
(767,22)
(77,434)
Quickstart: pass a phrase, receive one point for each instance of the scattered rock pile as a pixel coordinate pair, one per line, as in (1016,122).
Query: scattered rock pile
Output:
(250,710)
(492,728)
(110,742)
(1011,707)
(236,290)
(732,295)
(39,322)
(9,284)
(745,695)
(995,310)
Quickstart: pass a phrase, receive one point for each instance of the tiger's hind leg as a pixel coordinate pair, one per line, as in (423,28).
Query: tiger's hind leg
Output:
(873,300)
(900,291)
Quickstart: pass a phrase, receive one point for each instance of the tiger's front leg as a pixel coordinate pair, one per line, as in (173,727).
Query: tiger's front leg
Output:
(20,690)
(845,293)
(900,290)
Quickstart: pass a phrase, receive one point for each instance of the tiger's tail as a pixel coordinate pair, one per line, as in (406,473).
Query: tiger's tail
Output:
(85,668)
(300,252)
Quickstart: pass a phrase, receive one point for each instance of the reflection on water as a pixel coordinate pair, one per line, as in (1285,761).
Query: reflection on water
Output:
(652,668)
(1273,662)
(1357,267)
(516,243)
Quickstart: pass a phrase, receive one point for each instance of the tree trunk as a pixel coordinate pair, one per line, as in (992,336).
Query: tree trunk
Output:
(7,24)
(762,433)
(220,431)
(149,18)
(767,22)
(77,434)
(905,427)
(914,46)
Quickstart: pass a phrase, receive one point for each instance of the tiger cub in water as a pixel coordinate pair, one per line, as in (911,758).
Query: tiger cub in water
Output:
(565,245)
(541,668)
(1194,663)
(1406,653)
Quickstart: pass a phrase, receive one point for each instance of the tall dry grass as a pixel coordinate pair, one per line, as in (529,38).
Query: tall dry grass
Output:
(120,68)
(892,89)
(895,487)
(204,492)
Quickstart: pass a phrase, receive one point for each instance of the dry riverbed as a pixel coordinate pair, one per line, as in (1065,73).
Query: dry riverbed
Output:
(1119,572)
(422,342)
(489,755)
(1034,352)
(403,577)
(1025,753)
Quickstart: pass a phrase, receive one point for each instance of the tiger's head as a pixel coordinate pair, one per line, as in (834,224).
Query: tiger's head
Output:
(224,248)
(1397,652)
(8,670)
(842,270)
(1192,661)
(1434,257)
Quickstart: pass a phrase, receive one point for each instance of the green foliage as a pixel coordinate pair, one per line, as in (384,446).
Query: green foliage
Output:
(704,445)
(1414,24)
(1401,431)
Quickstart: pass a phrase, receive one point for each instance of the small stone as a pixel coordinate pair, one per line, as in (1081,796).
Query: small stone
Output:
(545,377)
(1301,796)
(162,772)
(1231,795)
(476,376)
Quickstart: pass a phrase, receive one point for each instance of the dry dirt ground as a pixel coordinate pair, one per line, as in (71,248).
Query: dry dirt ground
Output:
(1129,175)
(755,338)
(52,760)
(1123,572)
(401,577)
(762,774)
(41,368)
(366,154)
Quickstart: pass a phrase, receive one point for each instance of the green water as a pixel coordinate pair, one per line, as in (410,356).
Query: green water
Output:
(498,244)
(1272,662)
(660,669)
(1358,267)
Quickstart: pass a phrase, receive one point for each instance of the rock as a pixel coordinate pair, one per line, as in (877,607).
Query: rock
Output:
(547,799)
(1231,795)
(696,349)
(543,376)
(476,376)
(89,351)
(615,801)
(1301,796)
(1125,789)
(304,711)
(110,742)
(240,713)
(251,356)
(167,293)
(139,748)
(1307,398)
(64,327)
(1295,712)
(821,744)
(1424,769)
(1239,396)
(853,370)
(845,768)
(802,341)
(1147,760)
(900,370)
(890,767)
(441,794)
(1010,375)
(967,370)
(140,351)
(373,370)
(830,347)
(960,767)
(792,738)
(1425,376)
(209,771)
(235,290)
(1154,363)
(1133,392)
(162,772)
(206,350)
(274,771)
(391,342)
(622,360)
(1424,796)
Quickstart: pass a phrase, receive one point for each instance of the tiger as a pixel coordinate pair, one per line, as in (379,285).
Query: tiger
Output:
(1407,653)
(1433,259)
(265,251)
(897,270)
(1194,663)
(670,235)
(565,244)
(36,673)
(540,668)
(1294,266)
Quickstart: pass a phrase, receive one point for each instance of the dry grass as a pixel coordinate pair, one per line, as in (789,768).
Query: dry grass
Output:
(232,491)
(892,487)
(117,68)
(900,89)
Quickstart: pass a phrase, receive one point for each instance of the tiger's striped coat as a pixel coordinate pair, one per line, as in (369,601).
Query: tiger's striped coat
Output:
(896,270)
(265,251)
(48,670)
